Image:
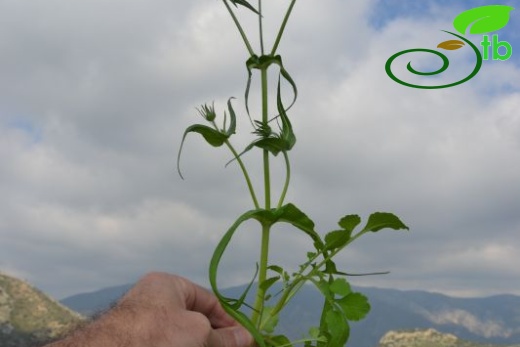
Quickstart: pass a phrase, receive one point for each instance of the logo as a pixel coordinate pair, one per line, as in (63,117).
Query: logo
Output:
(478,21)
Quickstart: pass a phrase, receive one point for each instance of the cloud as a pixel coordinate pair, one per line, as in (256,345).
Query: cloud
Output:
(95,98)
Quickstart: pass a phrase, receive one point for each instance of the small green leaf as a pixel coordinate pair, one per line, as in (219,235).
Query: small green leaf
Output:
(278,341)
(349,222)
(268,321)
(483,19)
(382,220)
(451,45)
(340,286)
(336,239)
(265,285)
(355,306)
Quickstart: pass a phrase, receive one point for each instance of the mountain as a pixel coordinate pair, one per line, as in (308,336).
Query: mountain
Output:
(426,338)
(29,317)
(489,320)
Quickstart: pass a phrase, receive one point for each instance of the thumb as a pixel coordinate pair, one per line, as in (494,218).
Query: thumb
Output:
(236,336)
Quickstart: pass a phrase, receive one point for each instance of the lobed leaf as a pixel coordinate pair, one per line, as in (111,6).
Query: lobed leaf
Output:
(340,286)
(355,306)
(337,239)
(382,220)
(349,222)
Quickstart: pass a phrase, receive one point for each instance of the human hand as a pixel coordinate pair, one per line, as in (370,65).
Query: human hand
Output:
(163,310)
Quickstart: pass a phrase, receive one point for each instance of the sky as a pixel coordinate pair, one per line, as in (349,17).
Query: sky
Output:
(95,96)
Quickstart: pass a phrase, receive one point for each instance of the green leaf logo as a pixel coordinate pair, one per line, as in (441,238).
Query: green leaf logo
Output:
(483,19)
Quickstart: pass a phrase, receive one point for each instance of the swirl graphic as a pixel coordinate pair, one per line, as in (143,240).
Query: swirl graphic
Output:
(445,64)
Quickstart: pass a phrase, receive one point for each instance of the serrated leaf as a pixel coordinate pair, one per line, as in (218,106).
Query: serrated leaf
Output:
(349,222)
(340,286)
(483,19)
(355,306)
(336,239)
(289,213)
(451,45)
(382,220)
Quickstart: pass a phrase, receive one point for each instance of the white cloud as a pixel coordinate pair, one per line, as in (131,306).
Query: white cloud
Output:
(95,98)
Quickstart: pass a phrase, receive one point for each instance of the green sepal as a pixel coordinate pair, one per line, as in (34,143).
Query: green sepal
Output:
(382,220)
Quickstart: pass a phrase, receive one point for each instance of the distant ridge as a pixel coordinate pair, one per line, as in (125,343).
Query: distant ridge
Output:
(29,317)
(488,320)
(427,338)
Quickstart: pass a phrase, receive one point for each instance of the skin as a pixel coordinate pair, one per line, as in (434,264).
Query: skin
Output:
(162,310)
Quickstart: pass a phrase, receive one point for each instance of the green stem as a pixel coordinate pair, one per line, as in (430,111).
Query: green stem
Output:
(239,27)
(282,27)
(267,178)
(264,250)
(246,175)
(300,280)
(287,178)
(262,276)
(260,26)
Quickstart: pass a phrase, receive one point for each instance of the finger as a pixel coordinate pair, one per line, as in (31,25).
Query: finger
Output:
(230,337)
(200,300)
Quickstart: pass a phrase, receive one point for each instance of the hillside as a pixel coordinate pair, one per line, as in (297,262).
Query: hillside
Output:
(28,317)
(489,320)
(427,338)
